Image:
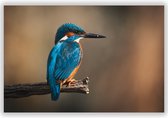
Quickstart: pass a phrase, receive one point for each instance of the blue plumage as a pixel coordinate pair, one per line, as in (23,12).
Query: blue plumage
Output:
(62,60)
(65,28)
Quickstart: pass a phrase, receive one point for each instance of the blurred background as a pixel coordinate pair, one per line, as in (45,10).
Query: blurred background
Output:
(126,69)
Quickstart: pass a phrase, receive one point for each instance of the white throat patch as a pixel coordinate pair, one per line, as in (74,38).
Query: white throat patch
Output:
(77,40)
(66,37)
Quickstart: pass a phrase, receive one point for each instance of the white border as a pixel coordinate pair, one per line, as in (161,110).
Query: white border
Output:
(84,2)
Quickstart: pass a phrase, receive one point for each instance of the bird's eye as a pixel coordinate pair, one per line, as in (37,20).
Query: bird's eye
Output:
(76,32)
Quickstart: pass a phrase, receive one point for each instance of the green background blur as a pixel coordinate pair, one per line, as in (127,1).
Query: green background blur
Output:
(126,69)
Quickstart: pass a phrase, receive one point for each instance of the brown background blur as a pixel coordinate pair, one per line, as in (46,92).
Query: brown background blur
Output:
(126,69)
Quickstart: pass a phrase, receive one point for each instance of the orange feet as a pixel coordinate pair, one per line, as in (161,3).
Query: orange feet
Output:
(70,82)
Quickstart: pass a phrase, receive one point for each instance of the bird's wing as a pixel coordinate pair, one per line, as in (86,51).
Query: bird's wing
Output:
(52,62)
(63,59)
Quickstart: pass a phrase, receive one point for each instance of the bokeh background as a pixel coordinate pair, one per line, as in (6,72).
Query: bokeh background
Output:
(126,69)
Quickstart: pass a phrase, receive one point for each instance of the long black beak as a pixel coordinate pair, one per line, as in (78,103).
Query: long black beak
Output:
(91,35)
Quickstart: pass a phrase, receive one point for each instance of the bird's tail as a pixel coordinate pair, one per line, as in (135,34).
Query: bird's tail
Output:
(55,91)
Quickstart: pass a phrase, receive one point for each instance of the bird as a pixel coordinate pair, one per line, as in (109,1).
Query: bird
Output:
(65,57)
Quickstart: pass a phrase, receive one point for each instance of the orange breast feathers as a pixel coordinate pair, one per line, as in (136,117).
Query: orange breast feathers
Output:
(73,73)
(77,68)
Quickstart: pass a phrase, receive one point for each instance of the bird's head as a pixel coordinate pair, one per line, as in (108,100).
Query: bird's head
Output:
(68,29)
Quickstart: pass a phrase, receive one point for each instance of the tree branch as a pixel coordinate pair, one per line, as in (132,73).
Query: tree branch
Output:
(25,90)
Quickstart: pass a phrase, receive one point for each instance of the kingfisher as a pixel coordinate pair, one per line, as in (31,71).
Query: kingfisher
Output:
(65,57)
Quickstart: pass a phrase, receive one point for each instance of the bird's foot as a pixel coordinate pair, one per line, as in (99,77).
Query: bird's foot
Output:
(70,82)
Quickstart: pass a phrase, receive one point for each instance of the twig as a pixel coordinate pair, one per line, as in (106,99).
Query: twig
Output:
(25,90)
